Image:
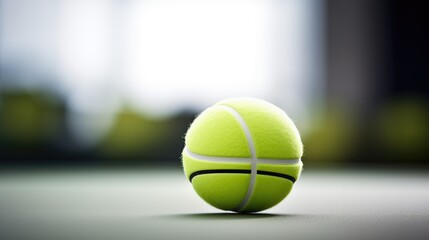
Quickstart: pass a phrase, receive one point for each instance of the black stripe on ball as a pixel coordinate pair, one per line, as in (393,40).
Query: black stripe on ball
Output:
(241,171)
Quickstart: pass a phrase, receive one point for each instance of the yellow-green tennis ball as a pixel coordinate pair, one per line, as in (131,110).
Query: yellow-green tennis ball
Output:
(242,155)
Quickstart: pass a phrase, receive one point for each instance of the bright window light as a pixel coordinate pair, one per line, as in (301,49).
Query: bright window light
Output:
(195,52)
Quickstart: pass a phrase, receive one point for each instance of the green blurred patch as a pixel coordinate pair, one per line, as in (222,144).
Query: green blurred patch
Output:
(332,138)
(133,136)
(403,130)
(28,119)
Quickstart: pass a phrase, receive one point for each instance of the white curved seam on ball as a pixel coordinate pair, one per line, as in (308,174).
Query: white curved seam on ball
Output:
(271,161)
(254,160)
(279,161)
(207,158)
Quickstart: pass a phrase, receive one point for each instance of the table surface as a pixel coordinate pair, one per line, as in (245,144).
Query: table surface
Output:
(161,204)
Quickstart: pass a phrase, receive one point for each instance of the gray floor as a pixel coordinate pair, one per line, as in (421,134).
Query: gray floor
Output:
(161,204)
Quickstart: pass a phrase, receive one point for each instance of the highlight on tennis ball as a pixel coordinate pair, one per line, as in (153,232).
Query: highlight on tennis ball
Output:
(242,155)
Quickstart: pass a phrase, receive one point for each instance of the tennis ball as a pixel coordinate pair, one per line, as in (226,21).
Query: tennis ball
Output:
(242,155)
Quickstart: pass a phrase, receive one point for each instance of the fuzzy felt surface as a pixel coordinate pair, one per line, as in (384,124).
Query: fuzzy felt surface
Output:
(191,165)
(267,192)
(215,132)
(273,132)
(224,191)
(291,170)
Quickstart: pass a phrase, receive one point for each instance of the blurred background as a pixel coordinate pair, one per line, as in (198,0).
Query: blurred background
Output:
(109,83)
